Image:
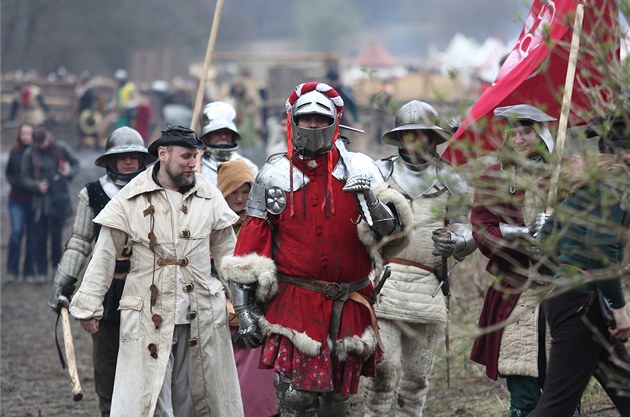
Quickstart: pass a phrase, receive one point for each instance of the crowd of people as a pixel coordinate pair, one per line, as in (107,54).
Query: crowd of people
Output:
(216,287)
(38,170)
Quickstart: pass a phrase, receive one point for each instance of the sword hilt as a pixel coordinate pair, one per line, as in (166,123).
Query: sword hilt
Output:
(386,273)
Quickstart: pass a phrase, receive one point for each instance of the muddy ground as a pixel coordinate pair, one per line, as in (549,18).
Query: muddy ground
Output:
(34,384)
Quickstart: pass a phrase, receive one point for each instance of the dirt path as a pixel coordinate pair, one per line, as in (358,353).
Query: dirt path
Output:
(32,380)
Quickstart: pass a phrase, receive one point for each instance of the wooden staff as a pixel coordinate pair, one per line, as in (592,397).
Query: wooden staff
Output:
(566,107)
(204,74)
(77,394)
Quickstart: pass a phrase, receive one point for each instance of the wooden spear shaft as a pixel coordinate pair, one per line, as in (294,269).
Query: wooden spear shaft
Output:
(566,107)
(77,393)
(204,74)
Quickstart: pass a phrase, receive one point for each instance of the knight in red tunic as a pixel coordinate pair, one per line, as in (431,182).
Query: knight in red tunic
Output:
(301,275)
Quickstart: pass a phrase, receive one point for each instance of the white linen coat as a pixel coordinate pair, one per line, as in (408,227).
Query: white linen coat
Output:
(200,229)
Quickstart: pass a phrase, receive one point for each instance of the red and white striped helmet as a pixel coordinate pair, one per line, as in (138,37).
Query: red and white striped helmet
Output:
(318,99)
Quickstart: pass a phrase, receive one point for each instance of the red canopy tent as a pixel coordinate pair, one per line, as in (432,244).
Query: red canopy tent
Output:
(375,56)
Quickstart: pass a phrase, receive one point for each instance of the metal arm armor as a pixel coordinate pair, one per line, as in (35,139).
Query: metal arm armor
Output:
(464,242)
(248,312)
(512,232)
(385,222)
(458,208)
(256,206)
(268,193)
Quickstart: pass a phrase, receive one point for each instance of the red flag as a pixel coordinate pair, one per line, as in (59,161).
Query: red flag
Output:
(534,71)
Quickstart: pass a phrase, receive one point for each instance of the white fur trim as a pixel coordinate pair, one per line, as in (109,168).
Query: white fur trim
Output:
(300,340)
(250,269)
(363,346)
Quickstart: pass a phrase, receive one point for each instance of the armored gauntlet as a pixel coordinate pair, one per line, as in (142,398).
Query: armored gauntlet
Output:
(456,241)
(384,221)
(248,312)
(62,290)
(511,232)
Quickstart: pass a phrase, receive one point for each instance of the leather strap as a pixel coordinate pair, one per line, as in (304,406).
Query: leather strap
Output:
(172,261)
(405,262)
(359,298)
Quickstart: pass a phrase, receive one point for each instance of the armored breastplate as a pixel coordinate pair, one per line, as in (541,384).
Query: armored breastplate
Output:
(417,180)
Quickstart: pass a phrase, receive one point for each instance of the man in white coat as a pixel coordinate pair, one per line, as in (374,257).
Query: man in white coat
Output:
(175,344)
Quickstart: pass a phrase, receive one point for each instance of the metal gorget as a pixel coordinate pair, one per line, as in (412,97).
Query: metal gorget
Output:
(109,187)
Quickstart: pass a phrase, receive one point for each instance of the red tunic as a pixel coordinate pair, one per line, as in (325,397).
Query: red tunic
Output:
(142,117)
(316,245)
(495,204)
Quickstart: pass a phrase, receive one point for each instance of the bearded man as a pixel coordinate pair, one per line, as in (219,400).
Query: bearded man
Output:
(174,335)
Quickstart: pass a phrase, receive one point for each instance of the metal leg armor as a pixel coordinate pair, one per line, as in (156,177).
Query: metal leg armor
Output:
(333,405)
(295,403)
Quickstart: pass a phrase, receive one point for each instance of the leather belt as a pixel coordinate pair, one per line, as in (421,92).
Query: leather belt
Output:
(333,290)
(339,293)
(405,262)
(172,261)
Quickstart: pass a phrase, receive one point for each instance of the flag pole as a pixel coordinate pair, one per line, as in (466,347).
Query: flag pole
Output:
(204,74)
(566,107)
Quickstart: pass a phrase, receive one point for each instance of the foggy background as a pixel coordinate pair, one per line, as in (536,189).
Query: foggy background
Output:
(100,36)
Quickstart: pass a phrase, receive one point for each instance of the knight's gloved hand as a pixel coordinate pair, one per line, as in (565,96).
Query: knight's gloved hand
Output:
(62,290)
(512,232)
(535,253)
(444,242)
(249,333)
(539,221)
(359,183)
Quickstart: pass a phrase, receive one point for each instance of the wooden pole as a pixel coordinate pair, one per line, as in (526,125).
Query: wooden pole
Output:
(566,107)
(77,393)
(204,74)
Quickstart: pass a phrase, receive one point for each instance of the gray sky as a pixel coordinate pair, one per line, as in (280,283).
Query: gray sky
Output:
(405,27)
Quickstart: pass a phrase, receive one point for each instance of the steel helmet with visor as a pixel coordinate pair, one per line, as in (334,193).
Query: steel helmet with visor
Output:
(307,141)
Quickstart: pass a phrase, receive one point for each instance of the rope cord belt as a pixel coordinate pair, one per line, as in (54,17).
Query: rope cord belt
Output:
(339,293)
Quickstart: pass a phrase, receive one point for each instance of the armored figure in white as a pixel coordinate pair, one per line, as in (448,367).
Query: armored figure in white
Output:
(416,292)
(220,137)
(125,156)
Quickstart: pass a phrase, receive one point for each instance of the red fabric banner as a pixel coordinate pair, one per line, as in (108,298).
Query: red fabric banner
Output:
(534,72)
